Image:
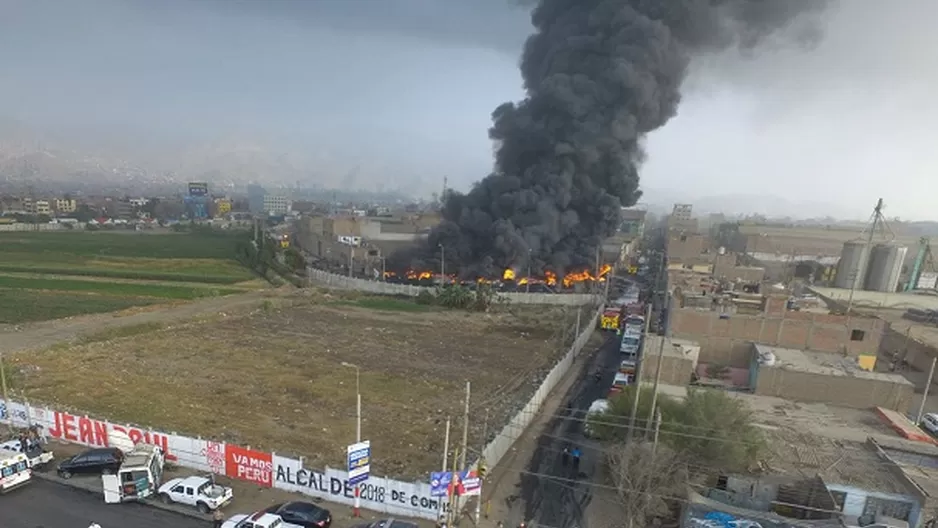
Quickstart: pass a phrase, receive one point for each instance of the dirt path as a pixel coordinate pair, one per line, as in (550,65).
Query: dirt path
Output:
(47,333)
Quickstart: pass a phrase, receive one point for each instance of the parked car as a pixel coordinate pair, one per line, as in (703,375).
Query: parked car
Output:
(388,523)
(102,460)
(930,423)
(255,520)
(199,492)
(304,514)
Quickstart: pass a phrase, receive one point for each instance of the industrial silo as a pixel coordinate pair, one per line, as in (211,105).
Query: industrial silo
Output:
(852,265)
(885,267)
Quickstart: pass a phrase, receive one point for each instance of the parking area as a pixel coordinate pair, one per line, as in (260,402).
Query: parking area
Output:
(50,505)
(248,498)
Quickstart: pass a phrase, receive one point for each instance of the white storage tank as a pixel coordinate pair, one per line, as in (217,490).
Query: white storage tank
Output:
(852,266)
(885,267)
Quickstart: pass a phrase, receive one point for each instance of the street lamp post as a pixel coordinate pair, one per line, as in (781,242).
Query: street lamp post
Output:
(442,264)
(527,285)
(358,428)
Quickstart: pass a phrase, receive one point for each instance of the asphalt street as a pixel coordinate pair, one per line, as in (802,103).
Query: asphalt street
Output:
(44,504)
(554,494)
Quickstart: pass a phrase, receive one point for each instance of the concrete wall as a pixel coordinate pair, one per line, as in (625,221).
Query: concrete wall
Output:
(727,341)
(685,246)
(674,370)
(34,227)
(845,391)
(331,280)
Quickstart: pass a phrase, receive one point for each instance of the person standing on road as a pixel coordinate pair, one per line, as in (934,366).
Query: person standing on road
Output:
(576,458)
(565,456)
(218,518)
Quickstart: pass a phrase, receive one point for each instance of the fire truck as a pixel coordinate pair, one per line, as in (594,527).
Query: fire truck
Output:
(611,318)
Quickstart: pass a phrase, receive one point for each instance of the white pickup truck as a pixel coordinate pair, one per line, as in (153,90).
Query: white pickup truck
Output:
(199,492)
(38,457)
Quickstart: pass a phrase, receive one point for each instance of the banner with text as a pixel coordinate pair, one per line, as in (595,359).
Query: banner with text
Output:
(249,465)
(377,494)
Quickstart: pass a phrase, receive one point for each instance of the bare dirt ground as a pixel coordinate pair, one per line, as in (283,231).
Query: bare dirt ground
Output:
(274,378)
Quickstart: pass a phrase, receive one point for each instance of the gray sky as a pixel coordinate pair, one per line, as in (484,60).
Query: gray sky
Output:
(404,90)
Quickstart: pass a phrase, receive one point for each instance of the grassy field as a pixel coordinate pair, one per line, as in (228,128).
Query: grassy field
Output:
(275,379)
(21,306)
(69,273)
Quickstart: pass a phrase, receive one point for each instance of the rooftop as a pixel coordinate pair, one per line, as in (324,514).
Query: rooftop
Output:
(808,439)
(822,363)
(678,348)
(870,299)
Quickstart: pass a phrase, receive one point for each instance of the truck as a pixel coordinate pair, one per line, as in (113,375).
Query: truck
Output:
(611,318)
(38,456)
(199,492)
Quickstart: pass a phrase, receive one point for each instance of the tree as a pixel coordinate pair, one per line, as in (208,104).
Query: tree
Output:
(714,428)
(613,424)
(709,426)
(644,477)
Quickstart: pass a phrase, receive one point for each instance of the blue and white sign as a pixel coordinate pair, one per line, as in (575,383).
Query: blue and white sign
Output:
(359,462)
(440,482)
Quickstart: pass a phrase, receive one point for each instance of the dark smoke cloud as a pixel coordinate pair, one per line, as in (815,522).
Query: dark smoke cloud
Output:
(600,75)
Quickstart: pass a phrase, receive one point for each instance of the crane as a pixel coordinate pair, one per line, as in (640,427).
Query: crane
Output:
(924,254)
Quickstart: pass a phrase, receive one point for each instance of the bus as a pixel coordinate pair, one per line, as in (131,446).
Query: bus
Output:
(14,470)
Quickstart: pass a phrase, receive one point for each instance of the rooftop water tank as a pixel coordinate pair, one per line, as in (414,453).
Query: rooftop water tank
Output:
(885,266)
(852,266)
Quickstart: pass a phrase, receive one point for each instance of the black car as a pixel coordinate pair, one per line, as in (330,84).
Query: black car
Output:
(302,514)
(389,523)
(99,461)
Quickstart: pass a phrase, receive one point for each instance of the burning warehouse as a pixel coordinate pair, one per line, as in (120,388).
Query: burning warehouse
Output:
(509,280)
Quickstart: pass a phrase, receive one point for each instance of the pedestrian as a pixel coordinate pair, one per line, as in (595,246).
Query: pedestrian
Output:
(565,456)
(576,458)
(218,518)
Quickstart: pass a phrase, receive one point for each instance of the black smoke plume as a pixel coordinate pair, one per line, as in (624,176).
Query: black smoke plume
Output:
(599,76)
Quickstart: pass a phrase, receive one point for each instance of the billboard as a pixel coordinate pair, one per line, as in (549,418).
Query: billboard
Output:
(196,206)
(198,189)
(927,281)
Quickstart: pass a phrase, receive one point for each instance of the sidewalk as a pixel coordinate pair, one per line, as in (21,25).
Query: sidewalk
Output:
(501,492)
(248,498)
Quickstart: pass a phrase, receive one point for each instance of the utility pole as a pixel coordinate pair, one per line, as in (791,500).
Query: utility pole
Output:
(445,454)
(485,433)
(527,284)
(921,408)
(598,268)
(877,216)
(356,512)
(442,264)
(465,437)
(665,337)
(654,444)
(6,396)
(638,378)
(454,496)
(351,258)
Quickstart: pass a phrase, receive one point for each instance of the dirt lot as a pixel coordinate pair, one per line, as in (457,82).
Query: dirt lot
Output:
(274,378)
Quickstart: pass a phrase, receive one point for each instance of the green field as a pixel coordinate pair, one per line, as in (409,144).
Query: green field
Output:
(22,306)
(73,273)
(201,258)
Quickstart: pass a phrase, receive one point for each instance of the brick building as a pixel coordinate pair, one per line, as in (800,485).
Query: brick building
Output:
(725,338)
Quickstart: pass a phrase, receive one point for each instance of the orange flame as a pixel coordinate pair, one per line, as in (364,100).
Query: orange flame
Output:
(579,276)
(550,277)
(509,274)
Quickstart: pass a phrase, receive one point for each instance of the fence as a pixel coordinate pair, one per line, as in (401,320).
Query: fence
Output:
(270,470)
(333,280)
(496,449)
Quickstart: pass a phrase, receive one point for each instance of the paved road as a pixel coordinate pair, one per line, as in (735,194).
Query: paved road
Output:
(44,504)
(554,494)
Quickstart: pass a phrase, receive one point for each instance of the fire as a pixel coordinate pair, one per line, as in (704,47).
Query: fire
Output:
(508,275)
(579,276)
(550,278)
(418,275)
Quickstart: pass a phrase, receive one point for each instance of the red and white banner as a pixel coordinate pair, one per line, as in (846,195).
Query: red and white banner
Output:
(247,464)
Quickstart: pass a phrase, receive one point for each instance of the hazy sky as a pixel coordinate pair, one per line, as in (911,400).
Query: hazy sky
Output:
(405,88)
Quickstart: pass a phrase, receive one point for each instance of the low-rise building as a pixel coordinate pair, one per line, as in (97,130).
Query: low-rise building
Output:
(818,377)
(65,205)
(678,360)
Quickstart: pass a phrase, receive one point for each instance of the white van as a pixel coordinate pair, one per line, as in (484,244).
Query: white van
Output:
(139,476)
(597,409)
(14,470)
